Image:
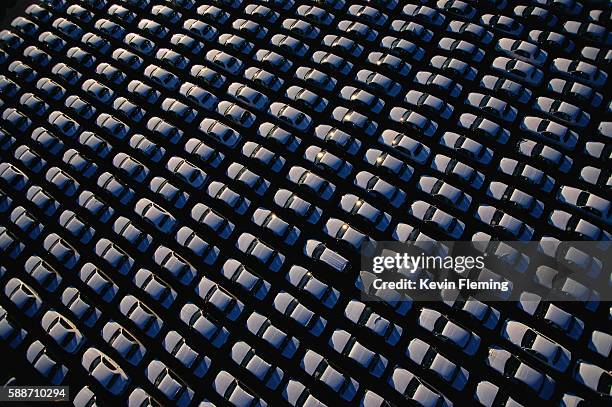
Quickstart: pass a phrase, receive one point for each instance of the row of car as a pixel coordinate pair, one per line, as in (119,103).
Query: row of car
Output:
(169,202)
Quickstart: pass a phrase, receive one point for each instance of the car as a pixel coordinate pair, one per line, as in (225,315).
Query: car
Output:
(164,130)
(345,234)
(99,209)
(379,188)
(167,14)
(43,274)
(289,306)
(493,106)
(354,120)
(265,218)
(139,43)
(267,256)
(590,31)
(518,70)
(332,62)
(179,110)
(141,316)
(41,359)
(250,28)
(517,371)
(414,389)
(177,347)
(367,14)
(273,60)
(263,156)
(516,198)
(105,371)
(389,164)
(328,162)
(99,91)
(536,344)
(114,256)
(413,121)
(563,111)
(290,116)
(361,31)
(172,58)
(578,228)
(233,392)
(79,106)
(143,91)
(298,207)
(506,88)
(586,202)
(228,63)
(261,12)
(207,75)
(109,28)
(425,14)
(263,78)
(575,92)
(169,384)
(592,377)
(294,391)
(123,342)
(152,28)
(523,50)
(155,215)
(545,155)
(304,281)
(318,251)
(200,29)
(580,71)
(226,196)
(162,77)
(12,334)
(462,48)
(378,83)
(13,176)
(444,192)
(220,132)
(470,149)
(255,286)
(120,12)
(320,368)
(204,153)
(215,14)
(22,72)
(550,131)
(147,148)
(215,333)
(95,43)
(348,346)
(502,222)
(111,73)
(472,31)
(429,103)
(112,126)
(316,78)
(487,394)
(68,28)
(21,122)
(344,45)
(369,214)
(428,357)
(248,95)
(236,114)
(23,297)
(448,331)
(187,44)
